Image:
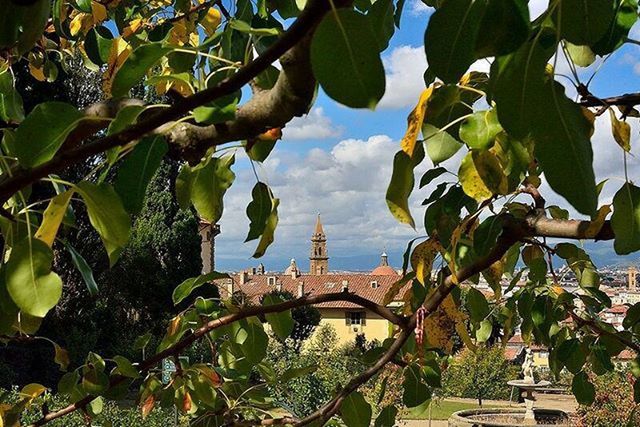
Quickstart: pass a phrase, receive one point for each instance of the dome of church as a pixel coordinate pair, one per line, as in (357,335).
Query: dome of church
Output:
(384,269)
(293,268)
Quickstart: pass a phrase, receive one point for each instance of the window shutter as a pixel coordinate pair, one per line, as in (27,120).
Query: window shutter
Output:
(363,318)
(347,318)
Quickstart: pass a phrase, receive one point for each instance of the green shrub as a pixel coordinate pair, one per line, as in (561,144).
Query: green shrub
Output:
(480,375)
(613,404)
(113,414)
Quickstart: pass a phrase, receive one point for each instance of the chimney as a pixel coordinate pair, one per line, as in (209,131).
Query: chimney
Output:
(279,287)
(300,289)
(345,286)
(244,277)
(230,288)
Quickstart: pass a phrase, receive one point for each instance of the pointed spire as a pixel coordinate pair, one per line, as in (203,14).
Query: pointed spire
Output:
(319,229)
(384,261)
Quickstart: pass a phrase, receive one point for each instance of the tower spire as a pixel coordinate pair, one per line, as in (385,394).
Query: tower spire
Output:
(318,229)
(318,258)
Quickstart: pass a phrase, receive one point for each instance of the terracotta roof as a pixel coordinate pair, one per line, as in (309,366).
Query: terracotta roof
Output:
(510,353)
(618,309)
(626,354)
(384,270)
(371,287)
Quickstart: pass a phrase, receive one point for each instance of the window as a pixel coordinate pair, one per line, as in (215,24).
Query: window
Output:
(355,318)
(271,281)
(374,284)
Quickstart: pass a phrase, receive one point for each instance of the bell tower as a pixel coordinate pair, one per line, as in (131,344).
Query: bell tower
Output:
(318,259)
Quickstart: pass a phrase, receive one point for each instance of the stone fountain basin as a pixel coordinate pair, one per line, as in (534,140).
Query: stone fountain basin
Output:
(508,417)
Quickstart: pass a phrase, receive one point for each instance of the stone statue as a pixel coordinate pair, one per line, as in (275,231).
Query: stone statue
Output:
(527,367)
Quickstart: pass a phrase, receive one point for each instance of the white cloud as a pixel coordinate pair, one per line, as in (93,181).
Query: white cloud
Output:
(315,125)
(405,67)
(346,183)
(418,8)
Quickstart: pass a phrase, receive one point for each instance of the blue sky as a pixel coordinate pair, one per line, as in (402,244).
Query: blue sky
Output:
(337,161)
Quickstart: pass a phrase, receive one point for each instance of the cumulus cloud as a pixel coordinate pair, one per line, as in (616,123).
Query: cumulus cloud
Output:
(404,67)
(315,125)
(346,183)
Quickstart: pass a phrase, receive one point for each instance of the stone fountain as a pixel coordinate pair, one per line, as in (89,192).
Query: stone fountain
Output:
(528,384)
(503,417)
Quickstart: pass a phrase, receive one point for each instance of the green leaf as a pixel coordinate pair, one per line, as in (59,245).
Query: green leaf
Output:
(125,367)
(625,220)
(142,341)
(440,144)
(401,185)
(30,282)
(626,16)
(572,354)
(136,171)
(43,132)
(504,27)
(381,17)
(430,175)
(583,389)
(584,22)
(518,82)
(480,130)
(582,56)
(386,417)
(258,210)
(451,37)
(85,271)
(432,373)
(346,61)
(477,305)
(261,149)
(95,407)
(136,66)
(184,289)
(564,144)
(355,411)
(97,44)
(281,323)
(11,109)
(254,346)
(94,381)
(107,216)
(206,185)
(632,317)
(482,176)
(486,235)
(484,331)
(269,230)
(415,391)
(125,117)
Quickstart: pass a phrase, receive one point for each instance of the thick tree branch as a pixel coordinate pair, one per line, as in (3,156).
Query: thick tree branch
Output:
(626,100)
(266,110)
(243,313)
(542,226)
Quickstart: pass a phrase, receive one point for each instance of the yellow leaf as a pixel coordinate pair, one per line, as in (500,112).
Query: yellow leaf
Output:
(422,259)
(442,323)
(99,12)
(132,28)
(597,222)
(52,217)
(621,131)
(81,23)
(119,52)
(61,357)
(211,21)
(33,390)
(482,176)
(186,402)
(395,288)
(174,325)
(414,122)
(147,405)
(37,72)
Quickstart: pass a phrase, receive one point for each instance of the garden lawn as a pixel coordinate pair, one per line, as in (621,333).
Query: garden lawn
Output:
(443,409)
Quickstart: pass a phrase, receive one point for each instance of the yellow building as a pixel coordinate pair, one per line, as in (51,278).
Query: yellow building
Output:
(346,318)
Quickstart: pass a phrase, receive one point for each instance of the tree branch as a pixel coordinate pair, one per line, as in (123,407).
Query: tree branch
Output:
(243,313)
(262,112)
(626,100)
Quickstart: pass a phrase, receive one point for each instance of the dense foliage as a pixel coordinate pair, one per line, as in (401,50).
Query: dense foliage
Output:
(614,405)
(480,375)
(514,127)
